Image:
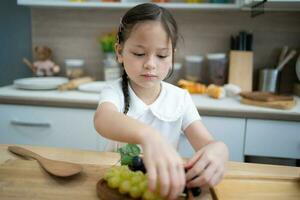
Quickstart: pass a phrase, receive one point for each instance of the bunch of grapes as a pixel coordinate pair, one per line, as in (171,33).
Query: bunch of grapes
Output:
(137,164)
(130,183)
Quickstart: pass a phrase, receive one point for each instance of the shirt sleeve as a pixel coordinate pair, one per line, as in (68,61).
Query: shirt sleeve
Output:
(191,113)
(110,94)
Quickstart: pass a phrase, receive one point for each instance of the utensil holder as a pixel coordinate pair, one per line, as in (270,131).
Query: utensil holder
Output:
(241,69)
(268,80)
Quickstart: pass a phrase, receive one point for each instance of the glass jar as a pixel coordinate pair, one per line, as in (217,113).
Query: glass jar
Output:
(217,68)
(194,68)
(111,67)
(74,68)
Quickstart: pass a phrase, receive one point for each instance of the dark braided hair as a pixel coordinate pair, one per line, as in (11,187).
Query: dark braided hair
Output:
(140,13)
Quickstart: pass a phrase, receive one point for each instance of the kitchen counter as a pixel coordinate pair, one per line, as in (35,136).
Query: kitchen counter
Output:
(242,180)
(227,107)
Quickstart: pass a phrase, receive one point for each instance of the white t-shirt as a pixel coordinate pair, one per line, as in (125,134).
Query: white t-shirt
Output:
(170,113)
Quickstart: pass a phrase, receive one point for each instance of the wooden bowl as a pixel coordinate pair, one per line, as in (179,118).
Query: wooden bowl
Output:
(106,193)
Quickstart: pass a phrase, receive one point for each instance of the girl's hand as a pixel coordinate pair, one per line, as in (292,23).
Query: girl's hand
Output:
(164,166)
(208,164)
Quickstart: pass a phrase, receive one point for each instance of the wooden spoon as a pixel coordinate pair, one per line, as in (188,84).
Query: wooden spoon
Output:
(54,167)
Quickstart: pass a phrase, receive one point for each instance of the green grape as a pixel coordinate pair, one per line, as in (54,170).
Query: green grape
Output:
(143,185)
(135,179)
(135,192)
(148,195)
(126,175)
(125,187)
(114,182)
(108,175)
(157,197)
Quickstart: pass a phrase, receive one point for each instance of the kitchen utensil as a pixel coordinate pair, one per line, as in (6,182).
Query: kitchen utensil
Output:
(54,167)
(283,53)
(286,60)
(40,83)
(298,67)
(75,83)
(268,80)
(284,105)
(265,96)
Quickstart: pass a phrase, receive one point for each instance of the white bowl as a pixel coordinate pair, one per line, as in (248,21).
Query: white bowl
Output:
(93,87)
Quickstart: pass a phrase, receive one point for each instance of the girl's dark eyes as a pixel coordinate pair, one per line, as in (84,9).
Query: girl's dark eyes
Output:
(162,56)
(142,54)
(139,54)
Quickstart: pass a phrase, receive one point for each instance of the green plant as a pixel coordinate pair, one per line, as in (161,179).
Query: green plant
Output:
(107,42)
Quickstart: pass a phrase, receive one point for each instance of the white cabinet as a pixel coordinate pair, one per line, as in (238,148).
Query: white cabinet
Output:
(273,138)
(49,126)
(226,129)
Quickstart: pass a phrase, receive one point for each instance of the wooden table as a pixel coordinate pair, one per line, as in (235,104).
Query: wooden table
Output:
(25,179)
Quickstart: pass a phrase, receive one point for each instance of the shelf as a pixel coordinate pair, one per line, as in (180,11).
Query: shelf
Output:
(273,5)
(123,5)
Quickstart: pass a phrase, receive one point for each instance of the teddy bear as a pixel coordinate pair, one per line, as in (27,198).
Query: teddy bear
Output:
(43,66)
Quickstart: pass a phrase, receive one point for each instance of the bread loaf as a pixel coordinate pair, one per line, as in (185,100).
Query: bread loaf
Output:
(215,91)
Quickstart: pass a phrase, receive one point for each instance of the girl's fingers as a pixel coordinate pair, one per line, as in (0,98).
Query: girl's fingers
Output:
(152,176)
(177,181)
(216,178)
(193,160)
(164,180)
(204,178)
(197,169)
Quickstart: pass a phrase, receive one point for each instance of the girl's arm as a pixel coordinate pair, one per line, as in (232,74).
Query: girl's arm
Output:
(162,162)
(116,126)
(209,161)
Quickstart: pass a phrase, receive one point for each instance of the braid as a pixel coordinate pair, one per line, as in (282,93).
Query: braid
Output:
(125,92)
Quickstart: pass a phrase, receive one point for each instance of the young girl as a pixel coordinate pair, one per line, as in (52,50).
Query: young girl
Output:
(142,109)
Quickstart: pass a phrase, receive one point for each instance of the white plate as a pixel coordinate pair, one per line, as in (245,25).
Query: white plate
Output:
(40,83)
(94,87)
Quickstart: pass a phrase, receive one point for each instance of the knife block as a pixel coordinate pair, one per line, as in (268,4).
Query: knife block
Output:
(241,69)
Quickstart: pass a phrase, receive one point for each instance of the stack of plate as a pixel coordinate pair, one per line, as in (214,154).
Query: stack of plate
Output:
(40,83)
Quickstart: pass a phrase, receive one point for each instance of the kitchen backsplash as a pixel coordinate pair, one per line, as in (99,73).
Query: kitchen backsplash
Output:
(74,33)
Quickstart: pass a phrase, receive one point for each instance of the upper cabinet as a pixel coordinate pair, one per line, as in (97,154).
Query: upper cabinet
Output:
(233,5)
(271,5)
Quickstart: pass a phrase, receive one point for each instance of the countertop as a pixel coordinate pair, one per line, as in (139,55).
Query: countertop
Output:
(226,107)
(242,180)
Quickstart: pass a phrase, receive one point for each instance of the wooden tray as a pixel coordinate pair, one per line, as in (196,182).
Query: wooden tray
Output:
(266,96)
(284,105)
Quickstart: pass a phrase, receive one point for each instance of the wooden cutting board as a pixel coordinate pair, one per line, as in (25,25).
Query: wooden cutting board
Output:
(23,179)
(284,105)
(266,96)
(241,69)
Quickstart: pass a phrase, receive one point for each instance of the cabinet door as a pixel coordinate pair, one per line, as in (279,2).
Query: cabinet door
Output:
(49,126)
(228,130)
(273,138)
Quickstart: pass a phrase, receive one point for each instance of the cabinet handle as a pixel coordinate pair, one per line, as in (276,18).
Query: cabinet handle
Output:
(28,123)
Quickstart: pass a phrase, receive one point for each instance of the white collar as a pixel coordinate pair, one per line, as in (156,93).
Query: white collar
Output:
(168,106)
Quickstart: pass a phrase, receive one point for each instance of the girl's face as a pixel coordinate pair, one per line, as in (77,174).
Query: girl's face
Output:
(146,55)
